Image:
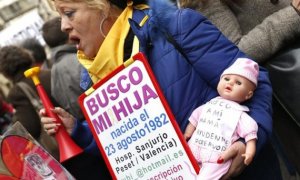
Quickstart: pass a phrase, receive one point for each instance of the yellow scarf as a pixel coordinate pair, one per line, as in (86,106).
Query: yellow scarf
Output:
(111,52)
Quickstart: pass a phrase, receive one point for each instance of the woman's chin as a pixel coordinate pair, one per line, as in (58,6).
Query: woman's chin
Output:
(78,47)
(88,51)
(89,54)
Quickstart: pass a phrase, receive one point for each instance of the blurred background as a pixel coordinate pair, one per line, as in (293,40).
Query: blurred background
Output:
(19,20)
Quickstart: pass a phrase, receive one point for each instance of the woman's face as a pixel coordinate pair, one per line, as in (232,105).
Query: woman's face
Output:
(82,24)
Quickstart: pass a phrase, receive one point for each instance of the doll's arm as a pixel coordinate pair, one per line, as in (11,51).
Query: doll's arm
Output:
(189,131)
(250,151)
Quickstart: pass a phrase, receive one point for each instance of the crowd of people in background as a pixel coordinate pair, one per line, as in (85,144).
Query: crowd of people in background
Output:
(76,39)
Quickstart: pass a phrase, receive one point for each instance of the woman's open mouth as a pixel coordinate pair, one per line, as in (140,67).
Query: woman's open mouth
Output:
(75,40)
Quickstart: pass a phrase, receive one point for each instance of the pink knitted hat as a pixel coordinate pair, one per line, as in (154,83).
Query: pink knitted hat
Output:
(244,67)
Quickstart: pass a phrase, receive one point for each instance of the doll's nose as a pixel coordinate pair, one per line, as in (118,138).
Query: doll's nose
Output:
(230,82)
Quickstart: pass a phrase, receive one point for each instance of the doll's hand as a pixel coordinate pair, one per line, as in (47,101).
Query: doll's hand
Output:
(248,158)
(186,137)
(234,152)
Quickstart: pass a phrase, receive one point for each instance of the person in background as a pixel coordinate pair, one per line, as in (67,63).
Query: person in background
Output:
(6,114)
(236,85)
(186,83)
(65,72)
(258,28)
(38,52)
(14,61)
(5,86)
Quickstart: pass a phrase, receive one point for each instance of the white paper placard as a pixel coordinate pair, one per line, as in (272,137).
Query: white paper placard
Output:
(134,127)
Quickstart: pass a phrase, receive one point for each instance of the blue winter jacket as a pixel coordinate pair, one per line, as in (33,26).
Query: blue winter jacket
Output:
(188,84)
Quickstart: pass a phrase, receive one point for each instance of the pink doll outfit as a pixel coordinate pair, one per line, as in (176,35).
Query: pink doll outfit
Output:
(218,123)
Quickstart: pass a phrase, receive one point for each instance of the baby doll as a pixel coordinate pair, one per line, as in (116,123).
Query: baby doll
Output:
(215,125)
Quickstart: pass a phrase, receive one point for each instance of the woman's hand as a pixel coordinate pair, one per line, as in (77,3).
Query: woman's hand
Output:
(51,126)
(234,152)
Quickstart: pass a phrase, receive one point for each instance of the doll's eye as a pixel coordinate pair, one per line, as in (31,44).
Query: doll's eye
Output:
(238,82)
(226,78)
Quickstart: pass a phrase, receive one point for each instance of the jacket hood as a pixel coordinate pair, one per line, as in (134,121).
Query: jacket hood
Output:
(60,51)
(162,14)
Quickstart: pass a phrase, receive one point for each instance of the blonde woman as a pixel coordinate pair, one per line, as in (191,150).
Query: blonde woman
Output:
(104,31)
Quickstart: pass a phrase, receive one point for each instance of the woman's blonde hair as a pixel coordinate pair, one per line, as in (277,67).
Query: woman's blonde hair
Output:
(102,5)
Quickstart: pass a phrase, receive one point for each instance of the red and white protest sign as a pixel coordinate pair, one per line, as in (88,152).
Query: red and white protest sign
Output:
(134,127)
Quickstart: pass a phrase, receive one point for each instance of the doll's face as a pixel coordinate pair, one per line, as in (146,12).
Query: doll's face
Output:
(235,88)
